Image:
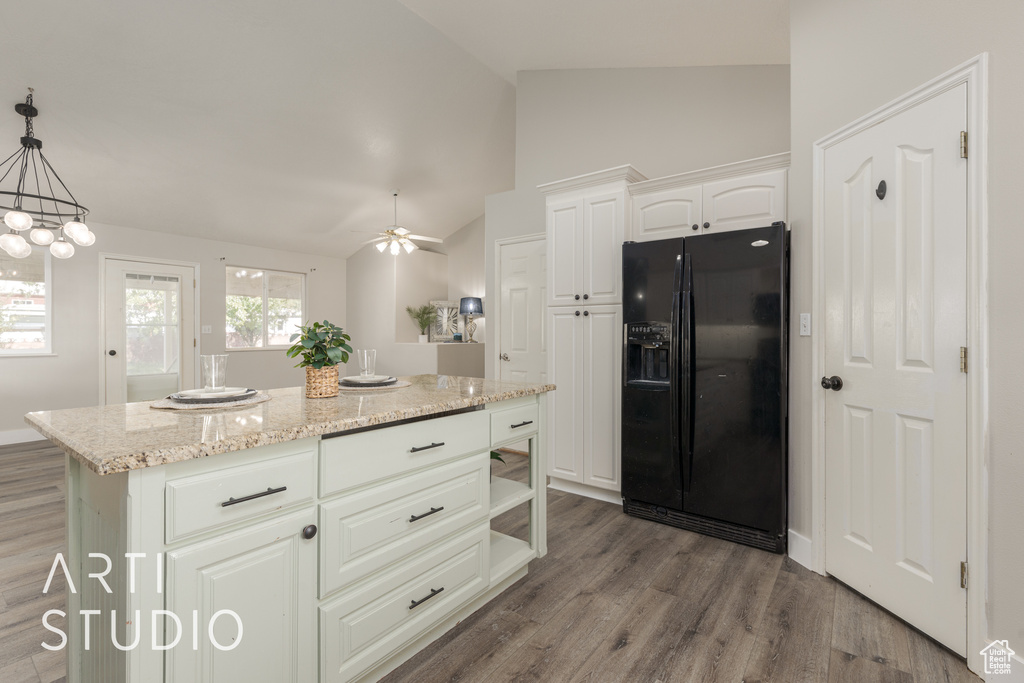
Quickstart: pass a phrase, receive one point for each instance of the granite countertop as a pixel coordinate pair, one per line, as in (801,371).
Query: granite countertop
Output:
(119,438)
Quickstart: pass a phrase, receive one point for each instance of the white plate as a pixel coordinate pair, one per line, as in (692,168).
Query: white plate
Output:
(371,379)
(203,393)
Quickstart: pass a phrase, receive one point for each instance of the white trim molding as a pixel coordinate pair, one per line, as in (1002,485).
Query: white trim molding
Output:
(625,172)
(974,73)
(737,168)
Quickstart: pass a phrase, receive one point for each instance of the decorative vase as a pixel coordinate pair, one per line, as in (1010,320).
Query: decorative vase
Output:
(322,383)
(423,339)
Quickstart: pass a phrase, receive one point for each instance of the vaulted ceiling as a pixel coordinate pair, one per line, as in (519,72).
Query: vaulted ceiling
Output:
(287,124)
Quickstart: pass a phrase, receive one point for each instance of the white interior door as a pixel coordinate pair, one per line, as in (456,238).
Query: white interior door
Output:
(896,318)
(149,330)
(522,352)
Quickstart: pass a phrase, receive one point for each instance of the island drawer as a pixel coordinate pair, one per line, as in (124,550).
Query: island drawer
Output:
(357,459)
(372,528)
(514,423)
(363,626)
(196,504)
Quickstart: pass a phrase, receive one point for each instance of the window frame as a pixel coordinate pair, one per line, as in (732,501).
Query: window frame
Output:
(266,281)
(47,349)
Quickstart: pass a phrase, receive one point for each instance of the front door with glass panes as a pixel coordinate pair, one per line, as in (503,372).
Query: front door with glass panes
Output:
(149,330)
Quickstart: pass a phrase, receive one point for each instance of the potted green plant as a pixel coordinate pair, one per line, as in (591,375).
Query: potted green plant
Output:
(423,316)
(322,346)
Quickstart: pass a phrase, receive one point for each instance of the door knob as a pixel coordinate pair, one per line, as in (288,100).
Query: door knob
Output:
(309,532)
(112,352)
(504,356)
(835,382)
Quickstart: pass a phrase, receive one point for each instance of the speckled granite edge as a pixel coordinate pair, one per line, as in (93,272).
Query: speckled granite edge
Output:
(114,463)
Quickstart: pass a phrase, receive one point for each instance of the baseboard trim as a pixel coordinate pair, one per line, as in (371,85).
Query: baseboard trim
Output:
(801,550)
(607,496)
(11,436)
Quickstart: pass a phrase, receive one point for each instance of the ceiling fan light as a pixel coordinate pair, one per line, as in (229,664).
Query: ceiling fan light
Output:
(41,236)
(87,239)
(62,249)
(18,220)
(409,246)
(395,248)
(381,246)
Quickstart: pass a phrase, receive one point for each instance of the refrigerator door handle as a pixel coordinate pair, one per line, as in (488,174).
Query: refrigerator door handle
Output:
(687,380)
(673,360)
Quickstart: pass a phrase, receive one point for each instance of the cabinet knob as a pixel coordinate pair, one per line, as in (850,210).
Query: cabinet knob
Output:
(112,352)
(707,225)
(577,297)
(586,296)
(577,313)
(309,532)
(696,227)
(586,313)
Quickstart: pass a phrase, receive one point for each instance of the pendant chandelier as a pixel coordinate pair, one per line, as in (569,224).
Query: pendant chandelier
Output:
(34,205)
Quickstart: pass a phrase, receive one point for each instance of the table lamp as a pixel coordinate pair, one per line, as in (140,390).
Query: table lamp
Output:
(470,306)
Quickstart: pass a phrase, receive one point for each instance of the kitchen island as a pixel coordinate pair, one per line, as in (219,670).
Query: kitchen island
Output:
(292,540)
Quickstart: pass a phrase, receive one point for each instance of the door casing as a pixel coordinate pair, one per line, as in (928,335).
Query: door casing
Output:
(101,343)
(496,304)
(811,552)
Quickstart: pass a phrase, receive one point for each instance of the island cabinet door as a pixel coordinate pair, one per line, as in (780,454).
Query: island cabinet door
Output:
(258,587)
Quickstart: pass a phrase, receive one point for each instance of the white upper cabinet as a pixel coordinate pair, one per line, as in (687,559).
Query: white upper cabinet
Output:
(750,201)
(586,226)
(672,212)
(747,194)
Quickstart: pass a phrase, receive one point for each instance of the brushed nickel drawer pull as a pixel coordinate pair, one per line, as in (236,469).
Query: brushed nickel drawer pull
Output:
(426,514)
(433,592)
(521,424)
(417,449)
(268,492)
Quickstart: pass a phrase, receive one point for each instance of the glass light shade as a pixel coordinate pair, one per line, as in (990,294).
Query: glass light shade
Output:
(62,249)
(12,242)
(84,239)
(18,220)
(74,229)
(41,236)
(408,246)
(24,252)
(395,248)
(381,246)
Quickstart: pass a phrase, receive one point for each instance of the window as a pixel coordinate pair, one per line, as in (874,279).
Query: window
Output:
(263,307)
(25,304)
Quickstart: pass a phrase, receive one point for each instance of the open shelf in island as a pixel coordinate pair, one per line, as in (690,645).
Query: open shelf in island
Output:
(507,555)
(506,494)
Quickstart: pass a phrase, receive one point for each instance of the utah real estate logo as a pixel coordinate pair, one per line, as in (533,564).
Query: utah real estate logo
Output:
(997,657)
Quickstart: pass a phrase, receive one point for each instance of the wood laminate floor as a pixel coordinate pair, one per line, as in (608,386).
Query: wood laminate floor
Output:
(616,599)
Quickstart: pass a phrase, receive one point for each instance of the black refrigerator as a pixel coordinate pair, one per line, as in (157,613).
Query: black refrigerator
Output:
(704,395)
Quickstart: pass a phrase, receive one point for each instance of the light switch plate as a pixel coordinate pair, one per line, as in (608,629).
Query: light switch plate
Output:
(805,324)
(207,329)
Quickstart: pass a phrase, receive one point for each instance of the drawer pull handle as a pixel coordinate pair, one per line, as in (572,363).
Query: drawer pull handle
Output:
(521,424)
(433,592)
(269,491)
(426,514)
(417,449)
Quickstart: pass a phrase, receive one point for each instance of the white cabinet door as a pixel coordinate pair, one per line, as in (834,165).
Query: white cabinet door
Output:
(750,201)
(565,252)
(266,574)
(673,212)
(602,375)
(565,404)
(604,229)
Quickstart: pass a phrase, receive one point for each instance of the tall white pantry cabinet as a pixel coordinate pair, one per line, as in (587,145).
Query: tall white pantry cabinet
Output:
(588,218)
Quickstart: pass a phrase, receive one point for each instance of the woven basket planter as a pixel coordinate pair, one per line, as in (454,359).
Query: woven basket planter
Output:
(322,383)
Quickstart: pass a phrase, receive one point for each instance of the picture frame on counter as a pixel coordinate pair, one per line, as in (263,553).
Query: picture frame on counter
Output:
(446,321)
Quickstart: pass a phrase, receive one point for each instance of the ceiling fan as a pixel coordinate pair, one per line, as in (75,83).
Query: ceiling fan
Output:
(395,237)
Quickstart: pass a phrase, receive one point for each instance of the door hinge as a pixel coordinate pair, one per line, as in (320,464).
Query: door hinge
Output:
(963,144)
(963,359)
(963,575)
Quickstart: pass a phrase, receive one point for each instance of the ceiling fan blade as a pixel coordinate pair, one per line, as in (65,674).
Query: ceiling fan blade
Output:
(422,238)
(375,239)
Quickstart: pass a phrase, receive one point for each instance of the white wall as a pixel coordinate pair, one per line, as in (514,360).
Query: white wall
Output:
(663,121)
(71,377)
(847,59)
(372,289)
(465,250)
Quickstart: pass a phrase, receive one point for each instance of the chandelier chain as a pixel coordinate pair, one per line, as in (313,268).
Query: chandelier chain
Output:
(29,132)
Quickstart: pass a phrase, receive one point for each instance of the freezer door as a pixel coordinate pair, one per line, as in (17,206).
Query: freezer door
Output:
(736,469)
